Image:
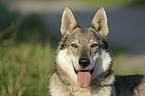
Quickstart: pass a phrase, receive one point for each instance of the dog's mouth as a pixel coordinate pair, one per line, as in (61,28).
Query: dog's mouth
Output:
(84,77)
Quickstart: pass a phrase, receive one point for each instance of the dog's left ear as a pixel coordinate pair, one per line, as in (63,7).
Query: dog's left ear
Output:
(99,22)
(68,22)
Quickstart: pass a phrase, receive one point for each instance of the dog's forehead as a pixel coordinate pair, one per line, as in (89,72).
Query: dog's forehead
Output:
(84,35)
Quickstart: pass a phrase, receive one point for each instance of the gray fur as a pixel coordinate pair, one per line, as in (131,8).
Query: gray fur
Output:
(89,42)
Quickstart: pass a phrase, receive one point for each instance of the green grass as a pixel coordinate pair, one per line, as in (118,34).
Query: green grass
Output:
(124,64)
(24,69)
(26,56)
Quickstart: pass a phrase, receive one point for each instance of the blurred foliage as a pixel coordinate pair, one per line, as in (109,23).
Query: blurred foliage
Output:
(138,2)
(17,28)
(24,69)
(6,17)
(26,55)
(32,29)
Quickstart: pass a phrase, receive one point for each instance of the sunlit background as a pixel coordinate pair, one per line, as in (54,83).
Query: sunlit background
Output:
(29,35)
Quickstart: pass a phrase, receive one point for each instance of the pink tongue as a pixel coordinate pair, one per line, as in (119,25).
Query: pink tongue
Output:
(84,79)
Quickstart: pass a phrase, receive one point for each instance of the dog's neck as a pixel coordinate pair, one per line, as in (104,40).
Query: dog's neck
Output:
(104,80)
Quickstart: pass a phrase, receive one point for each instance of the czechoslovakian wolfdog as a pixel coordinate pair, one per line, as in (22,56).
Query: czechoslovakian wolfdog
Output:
(84,62)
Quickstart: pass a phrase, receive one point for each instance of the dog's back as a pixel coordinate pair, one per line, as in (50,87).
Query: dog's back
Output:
(133,85)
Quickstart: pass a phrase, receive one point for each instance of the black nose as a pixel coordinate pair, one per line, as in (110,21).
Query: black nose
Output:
(84,62)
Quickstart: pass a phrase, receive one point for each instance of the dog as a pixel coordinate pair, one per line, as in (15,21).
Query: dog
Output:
(84,62)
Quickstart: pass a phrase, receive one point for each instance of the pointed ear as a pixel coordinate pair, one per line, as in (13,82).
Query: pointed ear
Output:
(99,22)
(68,22)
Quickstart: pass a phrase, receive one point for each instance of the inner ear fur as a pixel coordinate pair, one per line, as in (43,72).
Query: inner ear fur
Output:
(68,22)
(99,22)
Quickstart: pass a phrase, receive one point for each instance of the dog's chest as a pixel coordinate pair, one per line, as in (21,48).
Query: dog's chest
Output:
(106,91)
(58,88)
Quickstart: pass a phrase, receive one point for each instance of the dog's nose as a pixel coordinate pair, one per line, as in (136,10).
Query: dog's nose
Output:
(84,62)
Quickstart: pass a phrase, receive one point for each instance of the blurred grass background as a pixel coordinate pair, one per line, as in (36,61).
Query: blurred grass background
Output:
(27,52)
(26,55)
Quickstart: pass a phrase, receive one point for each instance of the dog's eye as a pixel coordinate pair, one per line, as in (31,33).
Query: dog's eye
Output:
(94,45)
(74,45)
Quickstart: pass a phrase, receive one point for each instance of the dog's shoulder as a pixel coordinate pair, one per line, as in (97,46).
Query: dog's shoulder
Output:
(130,85)
(57,87)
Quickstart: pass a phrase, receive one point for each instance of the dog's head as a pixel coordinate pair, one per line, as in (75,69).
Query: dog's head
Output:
(84,44)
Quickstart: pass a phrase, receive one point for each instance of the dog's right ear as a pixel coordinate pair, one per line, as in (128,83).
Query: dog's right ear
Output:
(68,22)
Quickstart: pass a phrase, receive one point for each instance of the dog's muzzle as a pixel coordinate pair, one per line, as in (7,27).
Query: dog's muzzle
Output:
(84,63)
(84,74)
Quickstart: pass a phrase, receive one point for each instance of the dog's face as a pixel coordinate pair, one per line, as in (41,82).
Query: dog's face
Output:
(84,48)
(84,44)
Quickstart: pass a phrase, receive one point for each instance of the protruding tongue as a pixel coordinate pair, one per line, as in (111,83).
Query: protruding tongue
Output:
(84,79)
